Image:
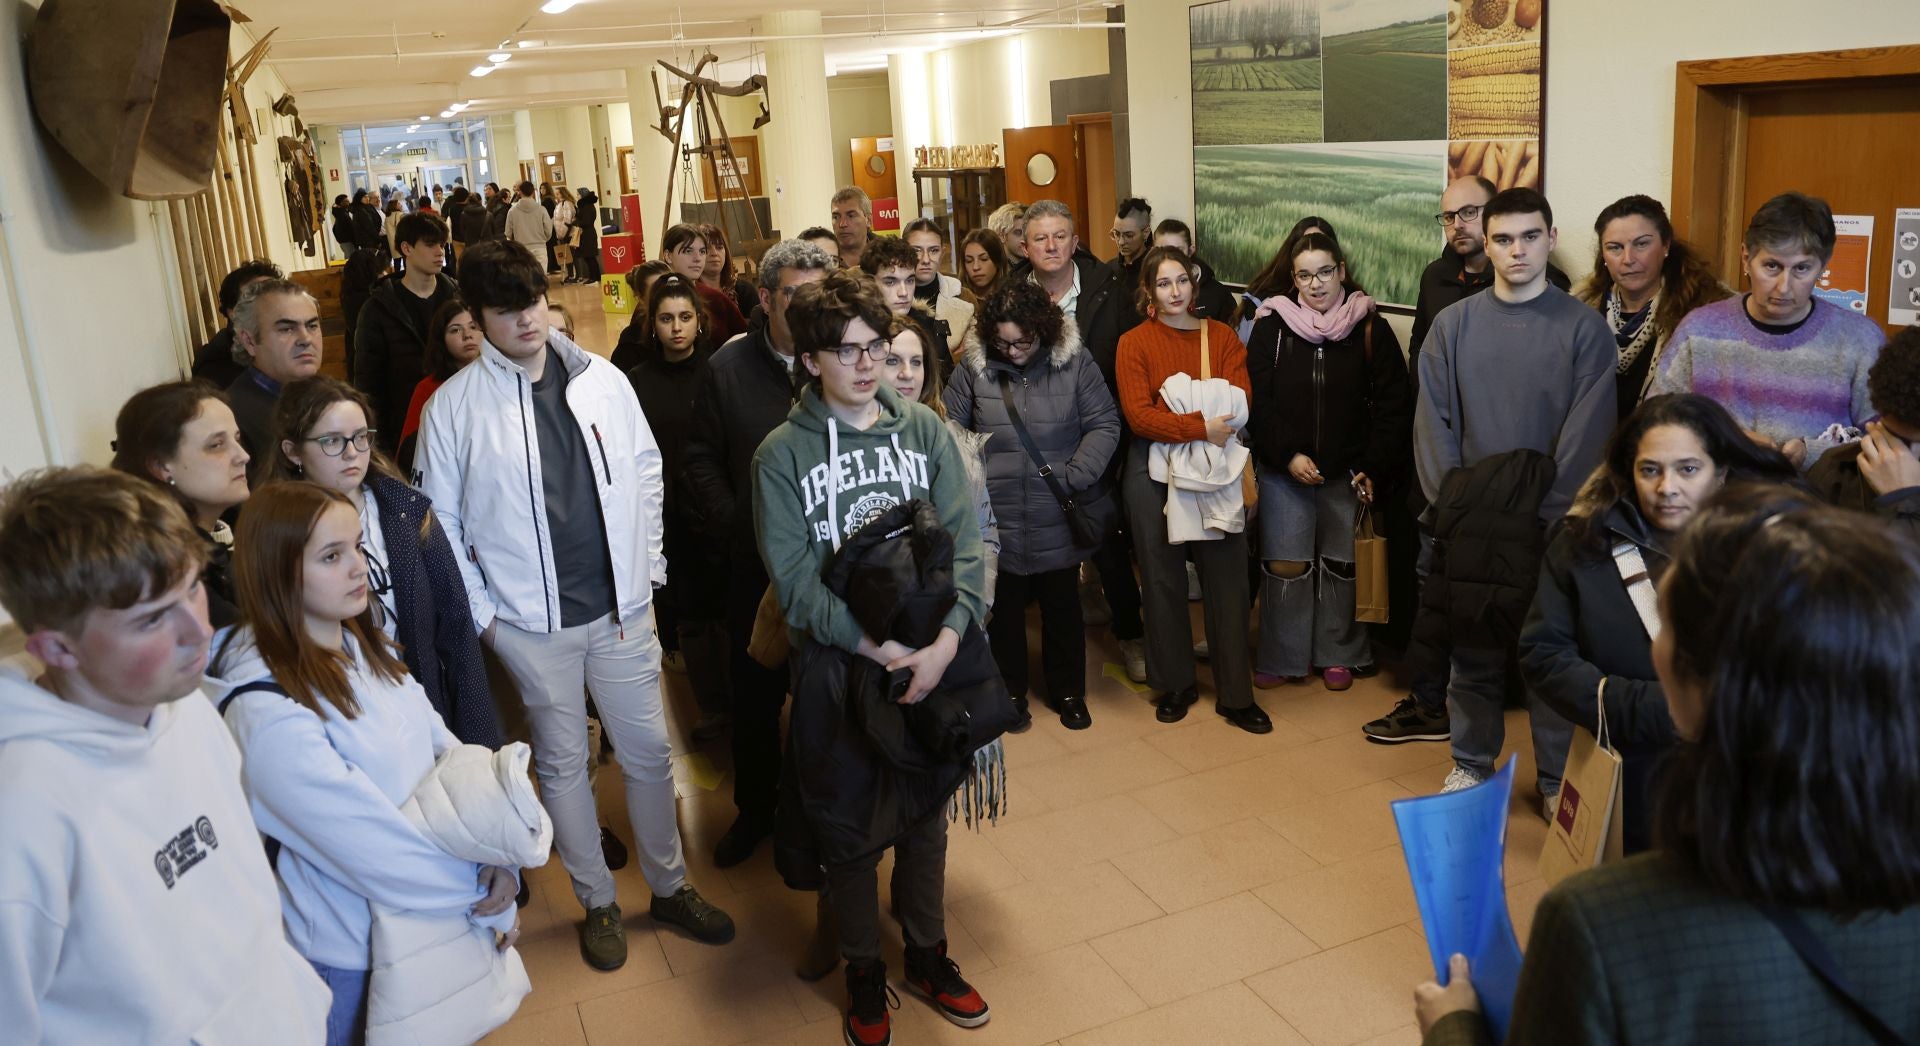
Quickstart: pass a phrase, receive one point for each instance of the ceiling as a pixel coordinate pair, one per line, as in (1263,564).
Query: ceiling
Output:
(404,61)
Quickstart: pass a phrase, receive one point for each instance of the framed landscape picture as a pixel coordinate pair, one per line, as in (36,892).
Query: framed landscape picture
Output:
(1359,112)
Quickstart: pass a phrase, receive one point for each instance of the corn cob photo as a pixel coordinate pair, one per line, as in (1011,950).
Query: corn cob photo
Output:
(1494,92)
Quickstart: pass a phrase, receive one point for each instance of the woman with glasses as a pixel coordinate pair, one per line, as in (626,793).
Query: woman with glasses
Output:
(1023,360)
(1332,426)
(1277,277)
(418,599)
(1644,280)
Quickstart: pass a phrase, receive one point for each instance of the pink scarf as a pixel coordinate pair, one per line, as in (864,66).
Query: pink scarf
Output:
(1317,327)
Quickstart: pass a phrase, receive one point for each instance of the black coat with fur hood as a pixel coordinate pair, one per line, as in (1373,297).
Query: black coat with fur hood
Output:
(1063,400)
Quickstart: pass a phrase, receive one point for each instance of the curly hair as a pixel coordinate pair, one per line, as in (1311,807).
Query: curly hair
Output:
(1028,308)
(1893,382)
(887,252)
(1686,283)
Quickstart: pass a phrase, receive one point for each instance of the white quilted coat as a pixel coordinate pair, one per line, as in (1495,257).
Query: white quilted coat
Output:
(438,978)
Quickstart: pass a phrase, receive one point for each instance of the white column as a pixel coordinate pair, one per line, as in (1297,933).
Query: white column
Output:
(523,149)
(799,167)
(653,155)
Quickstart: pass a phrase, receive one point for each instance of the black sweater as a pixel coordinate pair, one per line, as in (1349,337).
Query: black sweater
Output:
(1342,404)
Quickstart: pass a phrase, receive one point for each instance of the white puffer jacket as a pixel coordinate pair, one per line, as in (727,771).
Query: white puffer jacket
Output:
(478,458)
(438,978)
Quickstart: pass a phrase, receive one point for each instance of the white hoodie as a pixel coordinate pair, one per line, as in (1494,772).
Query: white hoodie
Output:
(329,790)
(136,904)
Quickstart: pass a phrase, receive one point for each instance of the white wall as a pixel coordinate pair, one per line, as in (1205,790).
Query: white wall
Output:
(858,106)
(570,131)
(90,303)
(1610,90)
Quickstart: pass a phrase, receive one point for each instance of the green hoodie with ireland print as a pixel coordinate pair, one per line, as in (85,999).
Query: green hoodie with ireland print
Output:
(817,481)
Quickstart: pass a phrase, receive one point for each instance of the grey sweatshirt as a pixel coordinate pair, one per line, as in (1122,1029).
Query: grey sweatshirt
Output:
(1497,376)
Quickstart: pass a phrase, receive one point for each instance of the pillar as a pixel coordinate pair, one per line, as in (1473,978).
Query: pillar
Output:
(799,167)
(654,158)
(523,150)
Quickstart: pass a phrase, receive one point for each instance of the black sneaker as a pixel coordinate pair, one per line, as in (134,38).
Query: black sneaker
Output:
(937,977)
(691,912)
(1409,721)
(869,997)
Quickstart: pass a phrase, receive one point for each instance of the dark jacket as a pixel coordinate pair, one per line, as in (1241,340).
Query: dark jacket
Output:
(455,215)
(1836,478)
(343,226)
(435,628)
(1103,312)
(1583,627)
(1488,542)
(586,218)
(496,220)
(1072,420)
(1345,404)
(1643,951)
(743,395)
(634,347)
(217,578)
(1445,281)
(368,228)
(666,390)
(389,352)
(857,775)
(213,362)
(1211,298)
(253,402)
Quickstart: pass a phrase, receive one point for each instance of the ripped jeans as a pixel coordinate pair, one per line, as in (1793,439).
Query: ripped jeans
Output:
(1306,622)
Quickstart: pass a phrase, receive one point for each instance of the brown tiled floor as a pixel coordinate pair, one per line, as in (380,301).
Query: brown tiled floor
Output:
(1151,885)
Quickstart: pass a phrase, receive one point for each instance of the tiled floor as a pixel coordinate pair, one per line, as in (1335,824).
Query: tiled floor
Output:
(1150,884)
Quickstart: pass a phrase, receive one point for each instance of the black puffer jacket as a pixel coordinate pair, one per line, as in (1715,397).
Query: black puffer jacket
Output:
(1584,628)
(1345,404)
(743,395)
(1488,542)
(389,352)
(1073,421)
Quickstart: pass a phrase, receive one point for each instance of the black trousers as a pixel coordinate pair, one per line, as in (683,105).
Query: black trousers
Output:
(1063,640)
(758,694)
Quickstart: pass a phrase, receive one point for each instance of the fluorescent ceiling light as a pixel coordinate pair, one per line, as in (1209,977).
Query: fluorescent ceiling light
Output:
(550,159)
(482,70)
(527,43)
(445,113)
(424,119)
(558,7)
(498,56)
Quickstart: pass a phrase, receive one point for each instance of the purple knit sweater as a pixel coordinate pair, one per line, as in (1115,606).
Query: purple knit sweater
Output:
(1783,386)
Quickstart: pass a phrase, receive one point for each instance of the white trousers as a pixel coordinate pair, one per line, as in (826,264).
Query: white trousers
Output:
(554,673)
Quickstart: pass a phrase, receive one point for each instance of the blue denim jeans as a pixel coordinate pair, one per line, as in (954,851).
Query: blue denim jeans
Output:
(347,1019)
(1476,700)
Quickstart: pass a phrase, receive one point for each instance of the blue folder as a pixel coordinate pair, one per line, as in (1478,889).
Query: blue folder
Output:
(1454,844)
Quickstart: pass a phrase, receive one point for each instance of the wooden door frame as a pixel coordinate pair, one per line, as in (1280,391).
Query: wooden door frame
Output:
(622,158)
(1079,122)
(1710,131)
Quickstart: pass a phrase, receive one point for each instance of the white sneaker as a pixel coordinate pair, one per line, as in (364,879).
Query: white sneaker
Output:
(1134,653)
(1193,583)
(1550,805)
(1459,779)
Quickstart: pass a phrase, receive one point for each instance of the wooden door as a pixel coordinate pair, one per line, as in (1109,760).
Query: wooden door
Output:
(1841,125)
(623,159)
(873,171)
(1095,132)
(1043,163)
(553,167)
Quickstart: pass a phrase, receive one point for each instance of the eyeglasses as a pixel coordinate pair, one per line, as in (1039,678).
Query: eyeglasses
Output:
(877,350)
(1324,274)
(1464,214)
(1015,346)
(333,446)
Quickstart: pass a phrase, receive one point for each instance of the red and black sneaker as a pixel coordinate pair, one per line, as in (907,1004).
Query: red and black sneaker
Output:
(868,999)
(935,976)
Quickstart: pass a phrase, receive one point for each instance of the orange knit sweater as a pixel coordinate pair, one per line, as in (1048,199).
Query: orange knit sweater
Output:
(1151,353)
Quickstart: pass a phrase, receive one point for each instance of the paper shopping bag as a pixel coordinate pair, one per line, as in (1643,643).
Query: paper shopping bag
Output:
(1586,825)
(1369,571)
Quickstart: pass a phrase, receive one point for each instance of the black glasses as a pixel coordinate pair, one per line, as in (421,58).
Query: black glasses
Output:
(1464,214)
(1015,346)
(333,446)
(877,350)
(1324,274)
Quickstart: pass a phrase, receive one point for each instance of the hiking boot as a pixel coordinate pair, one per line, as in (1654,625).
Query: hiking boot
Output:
(603,941)
(691,912)
(740,841)
(1459,779)
(1133,654)
(932,974)
(1409,721)
(869,997)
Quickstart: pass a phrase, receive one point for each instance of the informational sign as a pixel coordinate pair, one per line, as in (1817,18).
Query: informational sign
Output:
(1845,281)
(1454,844)
(1903,304)
(886,215)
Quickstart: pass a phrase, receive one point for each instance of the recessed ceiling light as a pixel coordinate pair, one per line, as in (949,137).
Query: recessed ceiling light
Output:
(445,113)
(498,56)
(424,119)
(527,43)
(482,70)
(558,7)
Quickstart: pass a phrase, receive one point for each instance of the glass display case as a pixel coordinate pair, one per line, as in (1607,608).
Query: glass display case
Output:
(960,199)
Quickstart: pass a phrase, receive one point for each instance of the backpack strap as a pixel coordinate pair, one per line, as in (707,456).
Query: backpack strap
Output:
(1633,572)
(258,686)
(1827,970)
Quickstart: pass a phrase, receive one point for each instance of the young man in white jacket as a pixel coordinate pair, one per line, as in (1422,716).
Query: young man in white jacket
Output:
(548,481)
(136,904)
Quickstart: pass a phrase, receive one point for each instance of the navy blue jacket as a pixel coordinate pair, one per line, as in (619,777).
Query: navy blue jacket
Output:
(437,638)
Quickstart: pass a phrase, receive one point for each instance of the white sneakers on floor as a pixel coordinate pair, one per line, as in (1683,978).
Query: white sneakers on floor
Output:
(1460,779)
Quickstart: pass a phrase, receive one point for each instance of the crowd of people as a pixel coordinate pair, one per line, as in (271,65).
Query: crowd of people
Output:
(840,475)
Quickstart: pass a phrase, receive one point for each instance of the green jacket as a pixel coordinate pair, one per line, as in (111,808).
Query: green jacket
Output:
(816,482)
(1643,951)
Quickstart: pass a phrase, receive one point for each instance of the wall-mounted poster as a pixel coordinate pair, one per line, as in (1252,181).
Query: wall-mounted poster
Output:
(1358,113)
